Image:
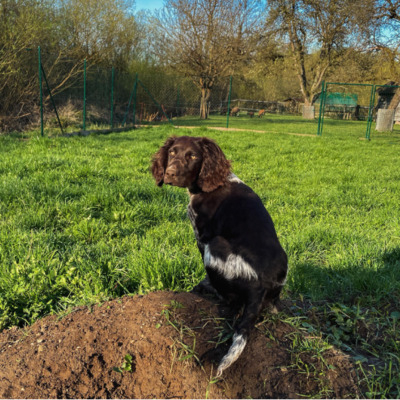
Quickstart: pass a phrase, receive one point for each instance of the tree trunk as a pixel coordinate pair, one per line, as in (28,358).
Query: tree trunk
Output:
(395,100)
(204,106)
(299,61)
(206,86)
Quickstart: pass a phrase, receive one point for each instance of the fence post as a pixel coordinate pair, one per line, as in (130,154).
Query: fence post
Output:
(112,97)
(371,106)
(84,95)
(229,102)
(323,107)
(40,90)
(319,132)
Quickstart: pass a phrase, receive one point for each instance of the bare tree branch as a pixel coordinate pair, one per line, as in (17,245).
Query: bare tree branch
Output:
(207,39)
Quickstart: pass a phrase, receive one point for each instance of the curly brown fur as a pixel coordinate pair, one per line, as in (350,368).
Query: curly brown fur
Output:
(215,167)
(159,161)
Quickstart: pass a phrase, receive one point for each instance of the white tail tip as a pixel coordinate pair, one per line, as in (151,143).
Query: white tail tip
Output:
(238,344)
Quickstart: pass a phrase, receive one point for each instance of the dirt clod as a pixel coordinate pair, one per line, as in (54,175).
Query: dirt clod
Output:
(162,345)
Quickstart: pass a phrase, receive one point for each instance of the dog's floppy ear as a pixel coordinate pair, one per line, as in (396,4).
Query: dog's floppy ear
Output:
(160,159)
(215,168)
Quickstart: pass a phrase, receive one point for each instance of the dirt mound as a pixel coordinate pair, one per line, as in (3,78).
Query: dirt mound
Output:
(150,347)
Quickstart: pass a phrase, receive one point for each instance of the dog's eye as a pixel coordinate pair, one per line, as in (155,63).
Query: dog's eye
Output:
(193,157)
(171,153)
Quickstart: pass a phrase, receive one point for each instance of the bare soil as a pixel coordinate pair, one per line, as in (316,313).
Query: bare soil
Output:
(82,354)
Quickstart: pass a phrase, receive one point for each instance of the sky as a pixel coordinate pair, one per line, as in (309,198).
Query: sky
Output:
(148,4)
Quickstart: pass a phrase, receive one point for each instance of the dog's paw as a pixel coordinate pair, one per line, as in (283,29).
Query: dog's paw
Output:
(205,287)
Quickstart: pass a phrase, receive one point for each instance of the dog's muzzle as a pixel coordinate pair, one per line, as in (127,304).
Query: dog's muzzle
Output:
(170,175)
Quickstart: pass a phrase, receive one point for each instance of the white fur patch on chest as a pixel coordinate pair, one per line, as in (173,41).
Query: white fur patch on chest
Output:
(233,267)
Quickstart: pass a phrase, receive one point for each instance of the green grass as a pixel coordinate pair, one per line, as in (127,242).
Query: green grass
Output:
(273,123)
(81,221)
(277,123)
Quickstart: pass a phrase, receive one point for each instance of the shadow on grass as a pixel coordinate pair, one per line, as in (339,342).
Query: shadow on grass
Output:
(362,282)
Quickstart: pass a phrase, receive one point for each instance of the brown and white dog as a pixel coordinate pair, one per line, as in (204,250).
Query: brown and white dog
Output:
(243,258)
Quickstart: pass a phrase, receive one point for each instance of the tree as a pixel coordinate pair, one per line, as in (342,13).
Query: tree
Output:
(68,31)
(206,39)
(24,24)
(104,31)
(320,27)
(382,33)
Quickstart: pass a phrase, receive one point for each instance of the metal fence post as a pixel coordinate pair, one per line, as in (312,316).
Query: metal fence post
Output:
(371,106)
(229,102)
(319,132)
(84,95)
(112,97)
(323,107)
(40,91)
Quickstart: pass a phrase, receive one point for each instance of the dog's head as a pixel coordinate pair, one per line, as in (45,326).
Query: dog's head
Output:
(191,162)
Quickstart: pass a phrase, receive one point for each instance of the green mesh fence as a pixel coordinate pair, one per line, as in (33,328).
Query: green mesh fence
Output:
(356,109)
(79,96)
(98,97)
(345,106)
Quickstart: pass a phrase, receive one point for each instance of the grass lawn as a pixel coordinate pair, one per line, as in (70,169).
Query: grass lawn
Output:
(81,221)
(277,123)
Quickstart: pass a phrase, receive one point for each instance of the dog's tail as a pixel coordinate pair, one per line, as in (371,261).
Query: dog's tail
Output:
(238,344)
(242,333)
